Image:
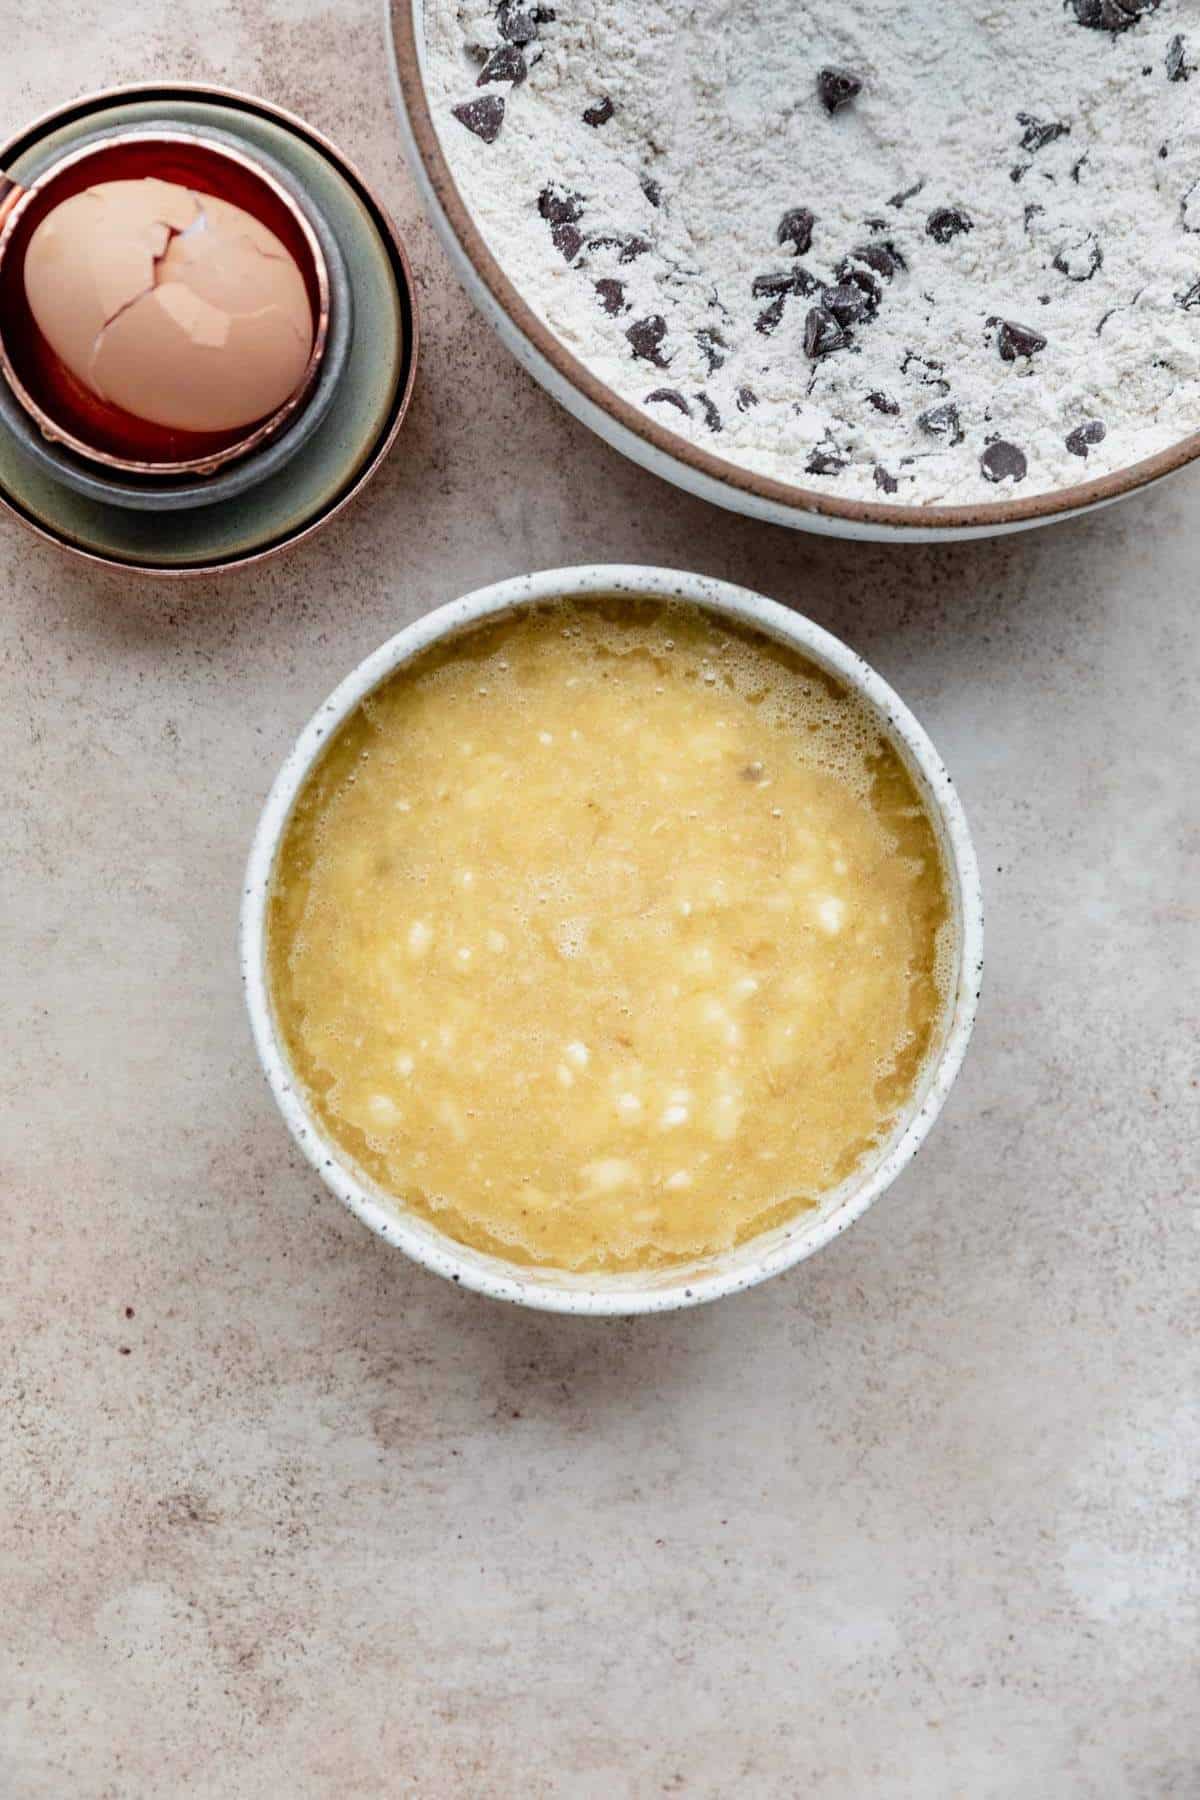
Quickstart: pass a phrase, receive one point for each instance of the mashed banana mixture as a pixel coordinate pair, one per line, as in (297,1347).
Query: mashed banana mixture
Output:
(609,936)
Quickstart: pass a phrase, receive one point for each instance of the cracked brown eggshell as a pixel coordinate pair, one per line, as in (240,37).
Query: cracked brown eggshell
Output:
(177,306)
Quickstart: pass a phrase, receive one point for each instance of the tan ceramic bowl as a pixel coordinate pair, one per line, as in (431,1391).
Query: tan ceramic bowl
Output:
(661,1290)
(645,440)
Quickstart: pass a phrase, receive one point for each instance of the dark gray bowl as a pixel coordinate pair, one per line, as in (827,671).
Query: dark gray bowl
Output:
(147,494)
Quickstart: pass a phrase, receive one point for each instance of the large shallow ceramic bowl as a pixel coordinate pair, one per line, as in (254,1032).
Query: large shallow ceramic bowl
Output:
(685,1285)
(664,452)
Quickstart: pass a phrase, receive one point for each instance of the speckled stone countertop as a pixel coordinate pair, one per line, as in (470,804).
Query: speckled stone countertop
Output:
(281,1515)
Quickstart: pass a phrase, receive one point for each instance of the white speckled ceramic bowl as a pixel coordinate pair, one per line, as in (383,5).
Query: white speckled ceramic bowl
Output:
(647,441)
(554,1289)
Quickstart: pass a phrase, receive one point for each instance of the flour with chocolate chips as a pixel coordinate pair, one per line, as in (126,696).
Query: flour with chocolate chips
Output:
(935,253)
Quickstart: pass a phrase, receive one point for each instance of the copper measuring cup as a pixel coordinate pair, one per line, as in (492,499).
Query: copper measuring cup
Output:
(60,406)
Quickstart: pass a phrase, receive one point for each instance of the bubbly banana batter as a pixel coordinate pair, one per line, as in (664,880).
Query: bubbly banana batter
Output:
(608,936)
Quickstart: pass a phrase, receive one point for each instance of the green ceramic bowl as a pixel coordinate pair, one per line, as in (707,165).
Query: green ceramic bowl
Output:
(372,395)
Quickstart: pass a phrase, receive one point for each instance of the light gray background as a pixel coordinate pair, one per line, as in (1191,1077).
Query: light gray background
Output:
(917,1520)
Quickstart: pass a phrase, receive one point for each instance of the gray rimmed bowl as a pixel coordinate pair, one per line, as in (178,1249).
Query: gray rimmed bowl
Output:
(153,495)
(557,1290)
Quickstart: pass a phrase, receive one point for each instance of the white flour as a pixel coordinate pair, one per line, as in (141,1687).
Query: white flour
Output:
(1089,238)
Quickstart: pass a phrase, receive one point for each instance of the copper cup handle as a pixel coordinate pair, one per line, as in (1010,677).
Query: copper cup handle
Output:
(10,193)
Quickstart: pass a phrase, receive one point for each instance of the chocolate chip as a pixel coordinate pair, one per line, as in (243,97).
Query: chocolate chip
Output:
(712,417)
(1079,258)
(822,333)
(796,229)
(770,316)
(746,398)
(837,88)
(1190,298)
(1083,437)
(515,22)
(669,397)
(506,63)
(1003,461)
(646,336)
(865,265)
(947,222)
(884,258)
(885,482)
(883,403)
(1040,132)
(1111,15)
(712,348)
(612,296)
(627,243)
(1031,212)
(779,286)
(600,113)
(559,206)
(1018,172)
(1013,340)
(867,283)
(568,240)
(906,194)
(787,281)
(652,190)
(825,462)
(1077,166)
(847,302)
(942,422)
(484,116)
(1178,66)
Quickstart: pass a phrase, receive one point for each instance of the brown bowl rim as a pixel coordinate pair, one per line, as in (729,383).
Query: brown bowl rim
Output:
(992,515)
(237,99)
(266,428)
